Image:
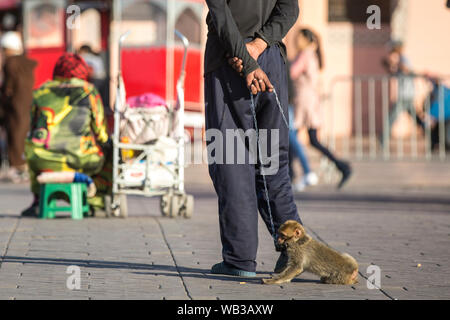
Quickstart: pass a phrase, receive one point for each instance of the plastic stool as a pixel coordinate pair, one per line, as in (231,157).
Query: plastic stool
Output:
(76,192)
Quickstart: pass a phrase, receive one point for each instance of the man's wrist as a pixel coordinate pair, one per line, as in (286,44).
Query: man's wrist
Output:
(260,44)
(262,36)
(252,67)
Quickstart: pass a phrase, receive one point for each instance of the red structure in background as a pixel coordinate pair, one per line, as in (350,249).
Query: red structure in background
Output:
(152,66)
(8,4)
(152,63)
(140,82)
(46,59)
(159,61)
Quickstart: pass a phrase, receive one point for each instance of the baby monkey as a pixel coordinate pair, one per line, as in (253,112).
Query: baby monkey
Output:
(307,254)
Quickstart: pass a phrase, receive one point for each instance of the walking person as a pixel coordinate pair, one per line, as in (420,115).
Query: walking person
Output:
(399,66)
(296,149)
(305,71)
(17,96)
(247,35)
(434,115)
(97,75)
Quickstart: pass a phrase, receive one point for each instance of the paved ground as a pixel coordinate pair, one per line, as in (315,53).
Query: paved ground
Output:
(394,216)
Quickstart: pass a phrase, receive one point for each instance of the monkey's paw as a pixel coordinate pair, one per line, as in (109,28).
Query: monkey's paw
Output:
(269,281)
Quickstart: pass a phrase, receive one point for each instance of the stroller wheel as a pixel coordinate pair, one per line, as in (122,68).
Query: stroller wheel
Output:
(164,204)
(170,205)
(187,209)
(108,206)
(120,209)
(123,206)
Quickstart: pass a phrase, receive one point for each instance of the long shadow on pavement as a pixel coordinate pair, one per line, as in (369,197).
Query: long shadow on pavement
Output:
(354,197)
(170,271)
(9,215)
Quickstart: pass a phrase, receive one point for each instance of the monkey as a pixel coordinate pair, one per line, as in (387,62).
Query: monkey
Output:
(306,254)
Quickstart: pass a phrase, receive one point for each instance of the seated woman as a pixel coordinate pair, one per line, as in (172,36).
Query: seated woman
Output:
(68,130)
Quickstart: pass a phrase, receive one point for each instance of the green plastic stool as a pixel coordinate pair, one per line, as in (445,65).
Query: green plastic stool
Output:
(76,192)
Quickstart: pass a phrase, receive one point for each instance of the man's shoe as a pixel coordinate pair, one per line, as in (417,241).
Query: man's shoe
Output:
(281,262)
(222,268)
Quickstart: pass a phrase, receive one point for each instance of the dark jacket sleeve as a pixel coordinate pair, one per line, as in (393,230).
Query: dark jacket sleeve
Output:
(229,34)
(283,17)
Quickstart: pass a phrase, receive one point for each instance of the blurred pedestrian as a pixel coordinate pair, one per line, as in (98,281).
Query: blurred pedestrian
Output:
(97,74)
(399,67)
(68,130)
(439,94)
(305,72)
(17,90)
(296,148)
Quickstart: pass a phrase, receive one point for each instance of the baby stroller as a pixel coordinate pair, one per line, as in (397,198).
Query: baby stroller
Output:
(148,149)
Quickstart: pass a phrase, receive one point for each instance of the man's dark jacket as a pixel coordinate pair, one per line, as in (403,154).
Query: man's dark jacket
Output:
(232,21)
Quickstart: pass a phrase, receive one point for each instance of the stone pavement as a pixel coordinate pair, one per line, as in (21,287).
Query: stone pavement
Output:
(402,227)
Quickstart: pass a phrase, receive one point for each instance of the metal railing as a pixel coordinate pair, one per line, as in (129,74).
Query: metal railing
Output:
(376,102)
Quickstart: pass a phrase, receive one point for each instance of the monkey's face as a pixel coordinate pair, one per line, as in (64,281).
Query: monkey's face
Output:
(283,238)
(290,232)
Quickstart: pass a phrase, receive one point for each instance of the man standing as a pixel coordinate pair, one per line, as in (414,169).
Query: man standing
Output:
(17,96)
(245,56)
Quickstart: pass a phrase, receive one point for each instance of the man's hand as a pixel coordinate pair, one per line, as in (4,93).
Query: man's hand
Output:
(236,64)
(255,48)
(257,81)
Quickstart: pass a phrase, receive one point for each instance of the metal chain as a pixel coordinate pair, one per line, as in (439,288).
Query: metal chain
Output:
(266,191)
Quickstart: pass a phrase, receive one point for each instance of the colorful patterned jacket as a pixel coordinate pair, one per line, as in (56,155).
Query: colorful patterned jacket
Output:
(67,122)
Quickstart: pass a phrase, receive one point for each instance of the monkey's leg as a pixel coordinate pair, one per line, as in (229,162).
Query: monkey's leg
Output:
(344,279)
(286,276)
(325,280)
(333,279)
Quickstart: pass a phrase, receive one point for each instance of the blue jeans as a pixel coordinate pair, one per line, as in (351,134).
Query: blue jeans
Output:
(296,149)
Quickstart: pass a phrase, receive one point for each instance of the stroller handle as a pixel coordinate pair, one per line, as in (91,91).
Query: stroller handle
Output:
(124,36)
(185,45)
(121,41)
